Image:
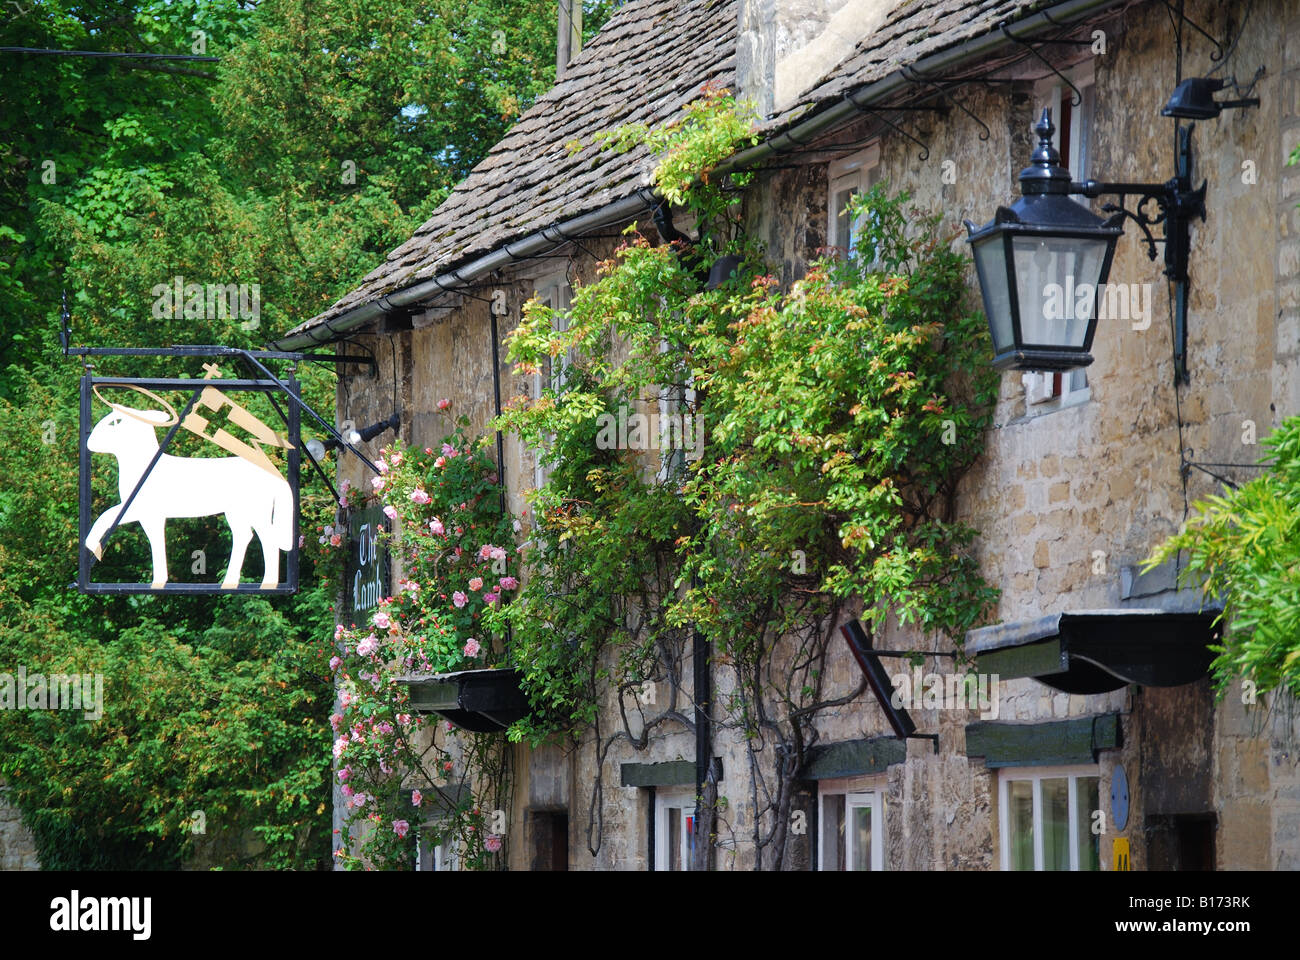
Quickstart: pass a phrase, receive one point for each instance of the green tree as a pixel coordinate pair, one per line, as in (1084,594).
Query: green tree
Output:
(235,172)
(1243,549)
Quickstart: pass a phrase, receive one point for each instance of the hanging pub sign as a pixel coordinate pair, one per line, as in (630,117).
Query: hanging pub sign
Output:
(200,477)
(368,573)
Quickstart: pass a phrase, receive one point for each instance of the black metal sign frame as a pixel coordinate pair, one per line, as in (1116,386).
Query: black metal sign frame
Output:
(291,420)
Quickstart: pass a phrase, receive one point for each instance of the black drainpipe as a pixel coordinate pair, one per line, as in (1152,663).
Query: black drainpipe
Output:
(703,682)
(496,393)
(650,832)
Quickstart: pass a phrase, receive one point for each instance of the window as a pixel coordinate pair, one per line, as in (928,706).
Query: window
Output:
(1047,391)
(850,176)
(677,438)
(1073,122)
(1045,817)
(850,828)
(674,829)
(431,854)
(553,292)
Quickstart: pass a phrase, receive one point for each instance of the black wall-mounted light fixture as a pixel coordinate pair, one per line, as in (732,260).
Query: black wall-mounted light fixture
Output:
(1044,261)
(317,449)
(1193,99)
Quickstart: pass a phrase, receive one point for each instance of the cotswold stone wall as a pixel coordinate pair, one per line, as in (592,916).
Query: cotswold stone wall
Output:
(1064,501)
(17,845)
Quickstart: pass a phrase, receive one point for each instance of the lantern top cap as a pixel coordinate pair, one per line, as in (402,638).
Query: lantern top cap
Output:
(1045,173)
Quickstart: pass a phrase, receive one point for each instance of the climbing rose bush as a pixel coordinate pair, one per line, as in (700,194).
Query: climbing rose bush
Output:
(456,551)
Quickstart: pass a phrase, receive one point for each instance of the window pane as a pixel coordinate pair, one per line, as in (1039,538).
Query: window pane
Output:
(1020,798)
(833,831)
(1056,824)
(1087,798)
(844,232)
(1053,278)
(992,267)
(861,838)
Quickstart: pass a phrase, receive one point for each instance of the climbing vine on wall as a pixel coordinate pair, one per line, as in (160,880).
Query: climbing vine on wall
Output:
(746,463)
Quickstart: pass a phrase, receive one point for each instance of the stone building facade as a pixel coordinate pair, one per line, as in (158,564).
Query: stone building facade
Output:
(1083,474)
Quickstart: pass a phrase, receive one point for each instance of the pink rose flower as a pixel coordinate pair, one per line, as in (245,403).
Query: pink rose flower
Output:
(334,663)
(416,797)
(507,583)
(436,528)
(419,496)
(335,720)
(491,843)
(336,541)
(377,483)
(446,767)
(397,459)
(444,403)
(382,621)
(344,774)
(390,513)
(459,599)
(485,551)
(490,598)
(498,553)
(383,467)
(359,799)
(368,646)
(346,790)
(339,746)
(472,648)
(440,462)
(476,583)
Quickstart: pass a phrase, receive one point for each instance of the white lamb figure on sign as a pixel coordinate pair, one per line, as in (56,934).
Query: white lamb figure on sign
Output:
(252,499)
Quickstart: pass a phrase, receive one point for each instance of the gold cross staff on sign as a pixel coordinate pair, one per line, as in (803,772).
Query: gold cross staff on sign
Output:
(215,400)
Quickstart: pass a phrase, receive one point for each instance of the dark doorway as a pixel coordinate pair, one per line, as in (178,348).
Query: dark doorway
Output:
(1181,842)
(549,839)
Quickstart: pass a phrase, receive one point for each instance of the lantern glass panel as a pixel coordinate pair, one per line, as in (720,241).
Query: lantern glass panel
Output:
(1056,286)
(991,262)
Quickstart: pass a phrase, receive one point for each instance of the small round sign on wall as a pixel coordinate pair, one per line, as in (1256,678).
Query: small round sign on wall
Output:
(1119,797)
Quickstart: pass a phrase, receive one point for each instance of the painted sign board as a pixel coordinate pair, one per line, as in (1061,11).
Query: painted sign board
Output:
(254,490)
(368,572)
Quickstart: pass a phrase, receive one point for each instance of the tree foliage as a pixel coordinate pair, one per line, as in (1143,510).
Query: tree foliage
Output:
(1243,548)
(322,139)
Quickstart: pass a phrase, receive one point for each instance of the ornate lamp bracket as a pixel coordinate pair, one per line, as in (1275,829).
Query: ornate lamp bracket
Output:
(1177,204)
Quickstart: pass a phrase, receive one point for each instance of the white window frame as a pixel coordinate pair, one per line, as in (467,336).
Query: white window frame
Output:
(666,799)
(1036,775)
(1049,92)
(857,173)
(1043,392)
(554,292)
(856,793)
(435,856)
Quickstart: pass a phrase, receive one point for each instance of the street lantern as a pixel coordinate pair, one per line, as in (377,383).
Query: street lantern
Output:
(1042,263)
